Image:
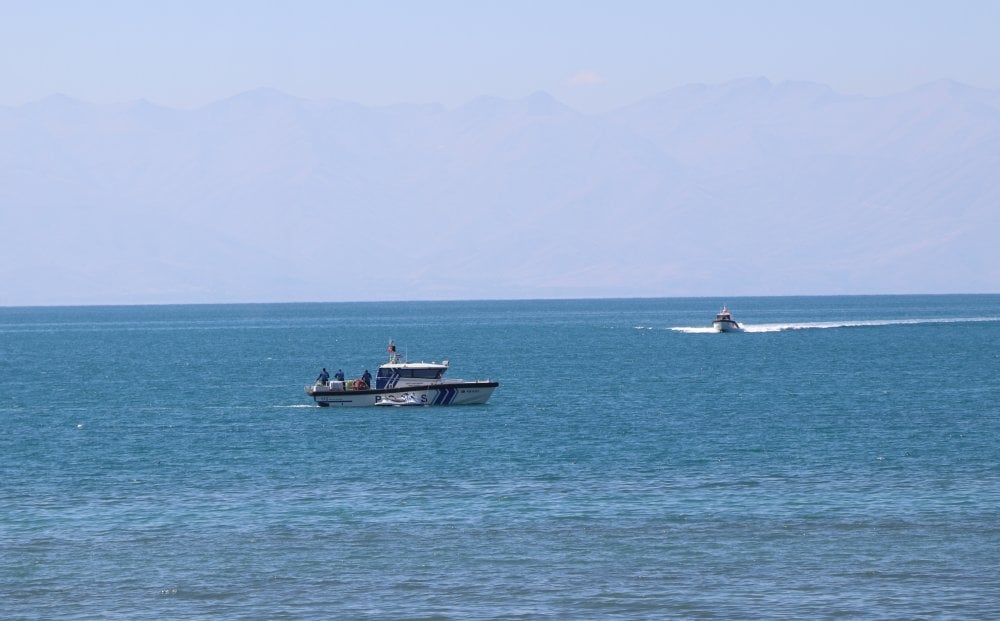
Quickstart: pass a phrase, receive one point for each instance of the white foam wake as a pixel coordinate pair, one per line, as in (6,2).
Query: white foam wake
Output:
(821,325)
(700,330)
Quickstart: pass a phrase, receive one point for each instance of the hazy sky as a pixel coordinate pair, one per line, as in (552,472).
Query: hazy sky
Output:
(592,55)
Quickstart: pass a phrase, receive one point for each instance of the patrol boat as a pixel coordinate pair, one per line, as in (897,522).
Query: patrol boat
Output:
(399,381)
(724,322)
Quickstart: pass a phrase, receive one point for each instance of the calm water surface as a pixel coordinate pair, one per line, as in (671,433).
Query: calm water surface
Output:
(839,459)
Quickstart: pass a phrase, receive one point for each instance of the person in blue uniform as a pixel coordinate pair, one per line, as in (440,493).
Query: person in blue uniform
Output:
(367,378)
(339,375)
(324,376)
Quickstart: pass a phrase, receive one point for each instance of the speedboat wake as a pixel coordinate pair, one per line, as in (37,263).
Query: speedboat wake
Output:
(822,325)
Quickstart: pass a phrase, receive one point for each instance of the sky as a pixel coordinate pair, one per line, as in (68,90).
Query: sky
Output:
(593,56)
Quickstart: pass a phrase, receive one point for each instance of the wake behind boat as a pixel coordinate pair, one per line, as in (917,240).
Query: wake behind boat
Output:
(398,382)
(724,322)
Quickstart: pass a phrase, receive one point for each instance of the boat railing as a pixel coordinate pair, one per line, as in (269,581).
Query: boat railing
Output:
(341,385)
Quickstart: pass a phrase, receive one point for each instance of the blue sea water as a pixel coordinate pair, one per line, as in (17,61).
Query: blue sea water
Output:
(839,459)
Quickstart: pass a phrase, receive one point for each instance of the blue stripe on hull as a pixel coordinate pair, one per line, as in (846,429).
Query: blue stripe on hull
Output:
(478,392)
(445,396)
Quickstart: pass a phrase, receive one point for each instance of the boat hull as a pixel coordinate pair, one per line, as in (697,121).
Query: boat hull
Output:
(464,393)
(726,326)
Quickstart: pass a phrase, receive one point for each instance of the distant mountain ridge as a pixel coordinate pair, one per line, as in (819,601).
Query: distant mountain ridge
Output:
(741,188)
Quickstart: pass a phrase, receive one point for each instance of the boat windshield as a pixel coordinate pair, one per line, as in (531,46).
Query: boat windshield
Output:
(423,373)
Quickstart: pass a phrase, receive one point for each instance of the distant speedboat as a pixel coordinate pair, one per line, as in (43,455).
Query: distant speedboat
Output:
(724,322)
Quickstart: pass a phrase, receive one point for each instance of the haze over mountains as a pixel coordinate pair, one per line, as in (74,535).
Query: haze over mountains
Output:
(743,188)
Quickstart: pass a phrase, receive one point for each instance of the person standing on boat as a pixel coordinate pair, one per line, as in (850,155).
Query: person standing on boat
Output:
(367,378)
(339,375)
(324,376)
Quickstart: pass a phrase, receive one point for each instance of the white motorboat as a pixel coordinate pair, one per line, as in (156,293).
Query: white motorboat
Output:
(403,383)
(724,322)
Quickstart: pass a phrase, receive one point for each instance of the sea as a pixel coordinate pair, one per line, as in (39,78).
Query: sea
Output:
(839,459)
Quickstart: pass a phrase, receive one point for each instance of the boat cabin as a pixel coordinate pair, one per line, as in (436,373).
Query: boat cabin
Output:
(409,373)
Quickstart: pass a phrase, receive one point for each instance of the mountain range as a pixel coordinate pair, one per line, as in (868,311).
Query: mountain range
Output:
(742,188)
